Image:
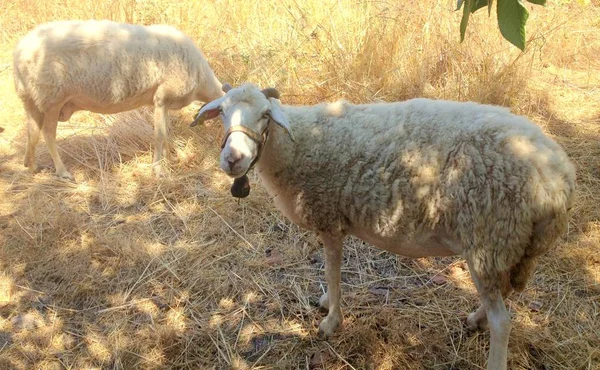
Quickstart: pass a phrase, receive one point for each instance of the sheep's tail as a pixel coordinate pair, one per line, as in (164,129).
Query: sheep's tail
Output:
(545,234)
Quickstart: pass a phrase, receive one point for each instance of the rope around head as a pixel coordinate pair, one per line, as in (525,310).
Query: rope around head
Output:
(241,185)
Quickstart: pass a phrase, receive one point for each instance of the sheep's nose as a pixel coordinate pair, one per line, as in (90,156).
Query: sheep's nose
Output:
(232,163)
(233,158)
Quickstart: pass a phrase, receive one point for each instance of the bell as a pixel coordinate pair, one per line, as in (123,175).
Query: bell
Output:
(241,187)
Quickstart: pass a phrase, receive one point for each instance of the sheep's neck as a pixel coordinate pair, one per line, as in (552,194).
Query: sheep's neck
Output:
(276,156)
(275,167)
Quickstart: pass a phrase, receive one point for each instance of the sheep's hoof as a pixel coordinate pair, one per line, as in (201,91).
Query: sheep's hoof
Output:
(476,323)
(62,173)
(65,175)
(159,171)
(32,167)
(324,302)
(329,325)
(29,162)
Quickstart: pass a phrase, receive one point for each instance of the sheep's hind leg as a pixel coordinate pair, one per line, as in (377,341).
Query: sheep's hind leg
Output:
(478,320)
(498,317)
(324,302)
(49,130)
(331,300)
(35,121)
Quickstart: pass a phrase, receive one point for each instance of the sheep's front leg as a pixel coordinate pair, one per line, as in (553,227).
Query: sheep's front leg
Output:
(160,137)
(331,300)
(498,318)
(499,322)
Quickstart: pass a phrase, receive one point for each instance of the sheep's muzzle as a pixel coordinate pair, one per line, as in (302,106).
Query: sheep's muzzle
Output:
(241,185)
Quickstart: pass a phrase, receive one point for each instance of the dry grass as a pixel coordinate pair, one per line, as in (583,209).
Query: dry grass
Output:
(122,271)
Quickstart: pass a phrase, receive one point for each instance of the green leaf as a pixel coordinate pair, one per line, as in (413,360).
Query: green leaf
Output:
(538,2)
(512,16)
(465,19)
(475,4)
(478,4)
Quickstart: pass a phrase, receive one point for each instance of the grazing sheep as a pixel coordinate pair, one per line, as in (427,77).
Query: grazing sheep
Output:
(106,67)
(417,178)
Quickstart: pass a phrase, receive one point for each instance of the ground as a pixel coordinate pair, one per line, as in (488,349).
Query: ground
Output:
(120,270)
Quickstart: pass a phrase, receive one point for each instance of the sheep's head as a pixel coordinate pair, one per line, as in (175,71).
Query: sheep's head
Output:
(246,112)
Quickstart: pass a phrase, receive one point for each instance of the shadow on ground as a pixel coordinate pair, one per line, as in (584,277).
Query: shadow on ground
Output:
(121,270)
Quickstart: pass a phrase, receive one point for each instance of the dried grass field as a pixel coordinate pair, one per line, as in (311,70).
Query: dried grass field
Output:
(120,270)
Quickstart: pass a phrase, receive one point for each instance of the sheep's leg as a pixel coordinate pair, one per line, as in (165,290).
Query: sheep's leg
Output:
(498,320)
(49,130)
(160,138)
(331,300)
(35,120)
(478,319)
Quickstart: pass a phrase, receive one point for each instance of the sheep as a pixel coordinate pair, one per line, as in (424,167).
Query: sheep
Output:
(418,178)
(106,67)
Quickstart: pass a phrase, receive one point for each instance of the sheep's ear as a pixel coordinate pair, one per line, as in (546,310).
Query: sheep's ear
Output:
(208,111)
(279,117)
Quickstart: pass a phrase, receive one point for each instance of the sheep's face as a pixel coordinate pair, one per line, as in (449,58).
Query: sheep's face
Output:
(246,112)
(240,148)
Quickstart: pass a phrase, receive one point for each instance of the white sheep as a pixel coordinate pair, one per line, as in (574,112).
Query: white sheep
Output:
(418,178)
(106,67)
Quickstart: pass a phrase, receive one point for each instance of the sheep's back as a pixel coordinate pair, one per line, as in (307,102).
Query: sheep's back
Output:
(397,168)
(107,61)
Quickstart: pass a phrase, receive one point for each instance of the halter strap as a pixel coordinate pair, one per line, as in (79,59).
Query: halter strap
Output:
(256,137)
